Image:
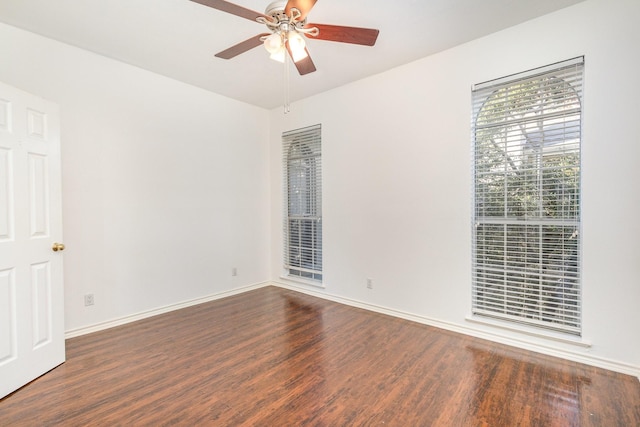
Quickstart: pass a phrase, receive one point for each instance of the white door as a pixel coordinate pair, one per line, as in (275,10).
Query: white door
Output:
(31,292)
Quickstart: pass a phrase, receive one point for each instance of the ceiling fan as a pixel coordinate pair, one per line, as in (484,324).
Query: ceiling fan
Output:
(287,23)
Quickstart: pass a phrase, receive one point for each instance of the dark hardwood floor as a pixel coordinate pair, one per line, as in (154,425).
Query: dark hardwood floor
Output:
(273,357)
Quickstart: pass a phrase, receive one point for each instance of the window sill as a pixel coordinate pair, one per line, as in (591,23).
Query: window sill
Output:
(531,331)
(302,281)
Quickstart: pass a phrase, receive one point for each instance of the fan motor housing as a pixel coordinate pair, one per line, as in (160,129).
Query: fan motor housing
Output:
(276,10)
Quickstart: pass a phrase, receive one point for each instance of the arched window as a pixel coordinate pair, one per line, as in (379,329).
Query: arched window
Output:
(303,191)
(526,216)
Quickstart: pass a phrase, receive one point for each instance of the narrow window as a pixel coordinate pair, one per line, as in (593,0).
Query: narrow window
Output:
(526,213)
(303,191)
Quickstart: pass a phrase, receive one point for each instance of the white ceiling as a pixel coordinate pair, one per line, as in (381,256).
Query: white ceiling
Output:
(178,38)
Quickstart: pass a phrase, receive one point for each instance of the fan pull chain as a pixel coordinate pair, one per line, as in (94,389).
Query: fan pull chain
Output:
(287,95)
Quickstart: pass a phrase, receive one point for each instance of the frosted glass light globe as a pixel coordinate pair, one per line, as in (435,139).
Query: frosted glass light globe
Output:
(296,45)
(296,41)
(278,56)
(273,43)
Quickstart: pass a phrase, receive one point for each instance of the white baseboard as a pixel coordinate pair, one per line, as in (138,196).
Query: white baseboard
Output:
(498,337)
(161,310)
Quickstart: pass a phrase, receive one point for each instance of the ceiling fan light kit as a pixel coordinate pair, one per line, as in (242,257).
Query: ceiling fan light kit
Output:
(286,29)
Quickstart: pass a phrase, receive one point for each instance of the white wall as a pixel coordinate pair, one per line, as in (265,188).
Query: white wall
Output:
(397,180)
(165,186)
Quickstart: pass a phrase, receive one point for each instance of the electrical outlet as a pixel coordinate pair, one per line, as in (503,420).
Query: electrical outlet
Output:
(369,283)
(234,271)
(88,299)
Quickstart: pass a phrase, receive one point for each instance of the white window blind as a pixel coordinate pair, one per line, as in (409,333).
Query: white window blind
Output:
(526,213)
(303,191)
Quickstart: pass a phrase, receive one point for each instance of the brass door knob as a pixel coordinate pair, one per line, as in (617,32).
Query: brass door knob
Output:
(57,247)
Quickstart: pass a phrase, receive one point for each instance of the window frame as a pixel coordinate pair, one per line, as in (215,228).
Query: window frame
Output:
(503,283)
(302,191)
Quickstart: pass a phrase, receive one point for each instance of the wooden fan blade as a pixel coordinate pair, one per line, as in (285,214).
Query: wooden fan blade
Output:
(305,65)
(241,47)
(338,33)
(231,8)
(304,6)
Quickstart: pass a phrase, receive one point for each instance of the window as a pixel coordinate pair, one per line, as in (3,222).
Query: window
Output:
(526,213)
(303,190)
